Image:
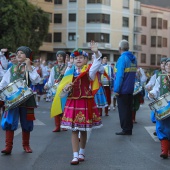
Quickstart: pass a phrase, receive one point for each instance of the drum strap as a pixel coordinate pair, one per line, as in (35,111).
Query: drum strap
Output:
(26,76)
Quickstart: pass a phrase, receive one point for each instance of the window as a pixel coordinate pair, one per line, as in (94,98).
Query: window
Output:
(165,24)
(158,59)
(72,36)
(98,18)
(72,17)
(48,0)
(125,3)
(164,43)
(159,23)
(125,37)
(153,41)
(153,59)
(143,39)
(72,0)
(57,1)
(98,37)
(105,2)
(144,21)
(125,22)
(153,23)
(116,56)
(57,18)
(143,58)
(48,38)
(57,36)
(159,42)
(94,1)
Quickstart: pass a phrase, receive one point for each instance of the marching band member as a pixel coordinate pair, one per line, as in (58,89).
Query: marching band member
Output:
(80,113)
(13,60)
(38,87)
(152,80)
(107,84)
(48,70)
(161,87)
(3,63)
(25,110)
(56,76)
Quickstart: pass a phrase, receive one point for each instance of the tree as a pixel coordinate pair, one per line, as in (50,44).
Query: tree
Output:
(22,24)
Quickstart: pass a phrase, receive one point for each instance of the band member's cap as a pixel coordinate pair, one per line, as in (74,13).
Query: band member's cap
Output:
(26,50)
(167,60)
(11,55)
(61,53)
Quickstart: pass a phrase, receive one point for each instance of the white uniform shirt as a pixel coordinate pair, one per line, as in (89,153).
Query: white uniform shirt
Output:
(33,75)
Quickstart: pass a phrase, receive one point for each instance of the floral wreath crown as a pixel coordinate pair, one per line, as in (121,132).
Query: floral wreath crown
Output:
(77,52)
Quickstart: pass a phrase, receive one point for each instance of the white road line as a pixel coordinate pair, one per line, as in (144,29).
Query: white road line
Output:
(151,130)
(36,123)
(88,135)
(17,132)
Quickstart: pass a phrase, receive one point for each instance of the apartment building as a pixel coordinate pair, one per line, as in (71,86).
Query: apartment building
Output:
(155,35)
(74,23)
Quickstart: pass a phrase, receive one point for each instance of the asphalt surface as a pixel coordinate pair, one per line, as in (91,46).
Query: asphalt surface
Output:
(104,150)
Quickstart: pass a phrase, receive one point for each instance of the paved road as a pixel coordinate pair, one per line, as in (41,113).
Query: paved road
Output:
(105,150)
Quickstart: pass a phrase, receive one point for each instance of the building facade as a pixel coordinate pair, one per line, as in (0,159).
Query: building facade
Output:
(75,23)
(155,36)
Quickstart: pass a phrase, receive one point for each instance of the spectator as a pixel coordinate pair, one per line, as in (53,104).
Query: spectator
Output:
(124,86)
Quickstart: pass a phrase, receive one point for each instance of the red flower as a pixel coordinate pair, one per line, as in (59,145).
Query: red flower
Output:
(76,53)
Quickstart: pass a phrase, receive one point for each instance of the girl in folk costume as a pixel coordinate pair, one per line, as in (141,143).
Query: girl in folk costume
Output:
(56,76)
(38,87)
(81,113)
(25,111)
(161,87)
(107,84)
(100,98)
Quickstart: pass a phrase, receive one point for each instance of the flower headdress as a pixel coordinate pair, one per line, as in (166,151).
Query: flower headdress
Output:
(77,52)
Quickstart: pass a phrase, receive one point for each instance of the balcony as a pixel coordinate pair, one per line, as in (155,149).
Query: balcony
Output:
(137,29)
(137,48)
(137,11)
(100,45)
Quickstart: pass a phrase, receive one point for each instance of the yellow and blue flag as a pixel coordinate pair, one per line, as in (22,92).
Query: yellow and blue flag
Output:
(58,103)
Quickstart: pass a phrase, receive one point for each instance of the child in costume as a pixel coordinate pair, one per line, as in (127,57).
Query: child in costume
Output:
(23,70)
(107,83)
(81,113)
(161,87)
(38,88)
(100,98)
(56,76)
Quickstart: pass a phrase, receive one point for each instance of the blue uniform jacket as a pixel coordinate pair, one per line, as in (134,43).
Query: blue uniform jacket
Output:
(125,73)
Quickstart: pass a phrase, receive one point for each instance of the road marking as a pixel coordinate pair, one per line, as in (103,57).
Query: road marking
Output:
(88,135)
(36,123)
(151,130)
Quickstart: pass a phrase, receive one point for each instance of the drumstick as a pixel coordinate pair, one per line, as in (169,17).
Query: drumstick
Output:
(149,93)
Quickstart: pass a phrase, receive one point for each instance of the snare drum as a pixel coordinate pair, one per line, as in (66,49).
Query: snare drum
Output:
(137,88)
(161,107)
(53,89)
(15,94)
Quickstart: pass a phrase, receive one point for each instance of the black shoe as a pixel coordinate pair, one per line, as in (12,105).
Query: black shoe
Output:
(123,133)
(154,133)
